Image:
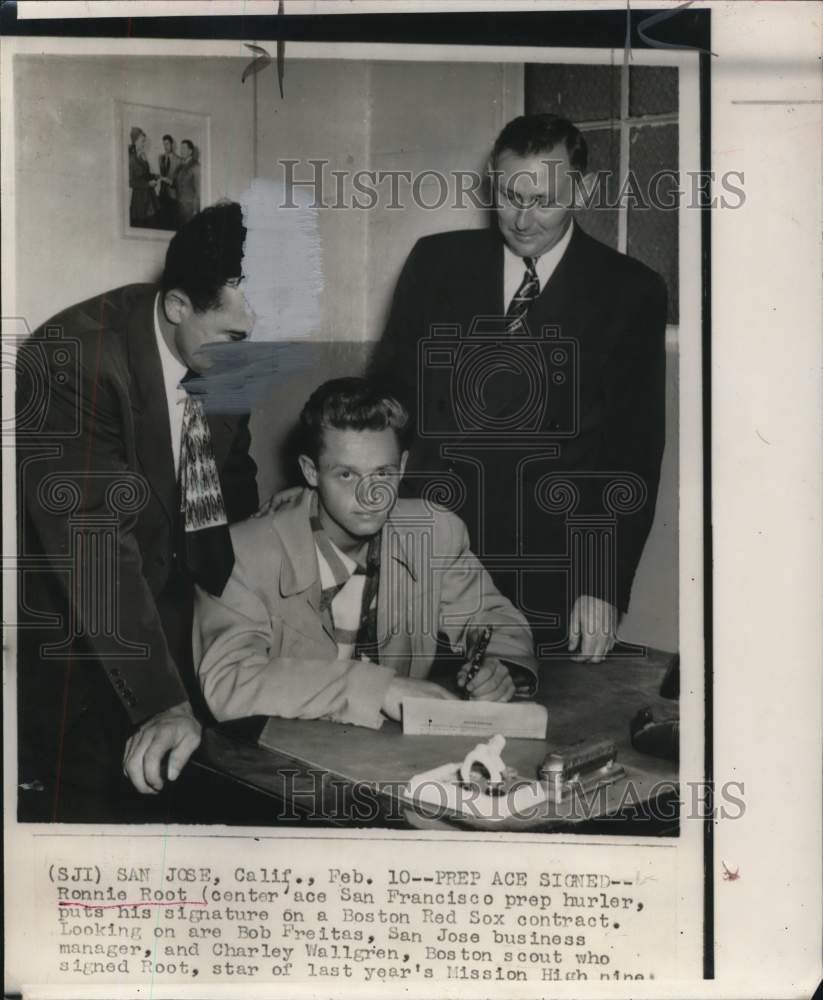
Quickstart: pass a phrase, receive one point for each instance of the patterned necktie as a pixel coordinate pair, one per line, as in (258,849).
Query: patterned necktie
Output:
(524,296)
(209,552)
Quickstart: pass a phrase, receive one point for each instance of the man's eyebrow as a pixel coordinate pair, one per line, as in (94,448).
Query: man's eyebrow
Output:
(352,468)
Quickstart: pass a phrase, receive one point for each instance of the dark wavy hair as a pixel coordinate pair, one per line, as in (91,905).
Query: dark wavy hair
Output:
(530,135)
(206,254)
(358,404)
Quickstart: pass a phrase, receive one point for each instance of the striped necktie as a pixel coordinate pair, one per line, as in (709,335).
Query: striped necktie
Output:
(348,597)
(524,296)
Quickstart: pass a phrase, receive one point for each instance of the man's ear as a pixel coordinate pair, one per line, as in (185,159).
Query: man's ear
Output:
(177,306)
(403,459)
(309,470)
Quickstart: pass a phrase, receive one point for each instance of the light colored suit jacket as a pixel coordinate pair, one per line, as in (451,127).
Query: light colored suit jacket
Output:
(262,647)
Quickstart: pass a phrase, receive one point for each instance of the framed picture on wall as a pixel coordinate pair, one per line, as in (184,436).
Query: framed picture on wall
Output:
(164,164)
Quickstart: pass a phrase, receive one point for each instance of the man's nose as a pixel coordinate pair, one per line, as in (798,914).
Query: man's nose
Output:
(523,218)
(249,316)
(375,493)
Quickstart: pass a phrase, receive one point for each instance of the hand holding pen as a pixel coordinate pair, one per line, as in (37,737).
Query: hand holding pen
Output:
(485,678)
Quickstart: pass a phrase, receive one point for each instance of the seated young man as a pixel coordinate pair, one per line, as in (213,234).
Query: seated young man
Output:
(335,601)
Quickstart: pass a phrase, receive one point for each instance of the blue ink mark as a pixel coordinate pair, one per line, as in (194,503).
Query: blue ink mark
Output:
(261,62)
(660,18)
(281,53)
(264,59)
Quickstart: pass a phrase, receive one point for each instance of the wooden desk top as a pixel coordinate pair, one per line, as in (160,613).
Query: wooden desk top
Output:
(584,701)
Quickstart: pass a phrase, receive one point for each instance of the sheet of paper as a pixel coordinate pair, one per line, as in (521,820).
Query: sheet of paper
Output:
(438,717)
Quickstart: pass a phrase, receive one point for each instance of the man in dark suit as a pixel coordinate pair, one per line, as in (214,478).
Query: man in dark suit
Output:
(167,163)
(127,483)
(536,357)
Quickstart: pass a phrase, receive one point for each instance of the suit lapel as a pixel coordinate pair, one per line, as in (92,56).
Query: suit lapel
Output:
(149,405)
(223,430)
(298,574)
(151,414)
(566,304)
(399,574)
(556,304)
(481,287)
(563,287)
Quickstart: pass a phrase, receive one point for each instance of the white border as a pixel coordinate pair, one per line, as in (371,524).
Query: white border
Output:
(767,677)
(687,849)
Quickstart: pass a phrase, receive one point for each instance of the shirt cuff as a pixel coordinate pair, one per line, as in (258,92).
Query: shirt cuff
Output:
(525,681)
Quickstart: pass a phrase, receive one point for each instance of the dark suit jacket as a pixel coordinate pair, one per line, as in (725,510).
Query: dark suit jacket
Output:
(92,414)
(606,417)
(142,205)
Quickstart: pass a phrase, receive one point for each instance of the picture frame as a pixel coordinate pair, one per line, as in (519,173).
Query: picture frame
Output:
(163,160)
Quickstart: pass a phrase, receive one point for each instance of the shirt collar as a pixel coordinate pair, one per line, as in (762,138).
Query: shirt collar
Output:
(341,564)
(546,263)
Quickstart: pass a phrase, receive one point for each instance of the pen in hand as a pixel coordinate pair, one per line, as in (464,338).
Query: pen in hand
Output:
(478,654)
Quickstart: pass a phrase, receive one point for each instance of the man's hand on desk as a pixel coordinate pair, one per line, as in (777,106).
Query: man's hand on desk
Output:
(592,629)
(492,682)
(174,730)
(407,687)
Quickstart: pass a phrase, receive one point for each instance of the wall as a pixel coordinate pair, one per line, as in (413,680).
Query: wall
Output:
(404,119)
(354,115)
(69,245)
(653,612)
(428,116)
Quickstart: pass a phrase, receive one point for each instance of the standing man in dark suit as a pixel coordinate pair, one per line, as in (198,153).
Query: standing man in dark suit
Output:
(167,164)
(128,479)
(536,358)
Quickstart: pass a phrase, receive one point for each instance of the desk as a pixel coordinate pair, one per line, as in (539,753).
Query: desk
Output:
(325,774)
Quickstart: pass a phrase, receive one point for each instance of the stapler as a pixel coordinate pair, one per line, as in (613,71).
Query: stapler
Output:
(581,767)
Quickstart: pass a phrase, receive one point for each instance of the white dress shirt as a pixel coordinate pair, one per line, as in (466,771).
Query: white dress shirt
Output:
(514,269)
(173,373)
